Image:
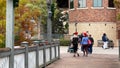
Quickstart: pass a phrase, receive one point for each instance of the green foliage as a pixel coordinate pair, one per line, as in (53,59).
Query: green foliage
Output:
(57,26)
(2,22)
(59,21)
(23,2)
(28,9)
(52,9)
(66,25)
(2,3)
(2,9)
(64,42)
(118,16)
(117,3)
(2,41)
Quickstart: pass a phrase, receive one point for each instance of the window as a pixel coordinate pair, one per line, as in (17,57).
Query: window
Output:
(71,4)
(81,3)
(97,3)
(110,3)
(62,3)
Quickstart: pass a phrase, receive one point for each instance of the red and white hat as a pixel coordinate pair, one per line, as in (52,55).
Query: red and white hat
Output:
(76,33)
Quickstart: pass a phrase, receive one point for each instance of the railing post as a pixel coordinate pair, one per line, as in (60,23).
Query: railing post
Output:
(58,49)
(50,52)
(25,44)
(37,53)
(55,50)
(44,54)
(119,49)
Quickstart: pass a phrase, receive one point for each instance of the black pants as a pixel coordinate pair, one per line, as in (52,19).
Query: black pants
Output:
(75,47)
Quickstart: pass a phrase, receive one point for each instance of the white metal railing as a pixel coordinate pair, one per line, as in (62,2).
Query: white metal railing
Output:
(37,56)
(4,62)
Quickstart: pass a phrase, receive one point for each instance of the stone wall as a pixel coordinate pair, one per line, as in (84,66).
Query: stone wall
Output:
(96,30)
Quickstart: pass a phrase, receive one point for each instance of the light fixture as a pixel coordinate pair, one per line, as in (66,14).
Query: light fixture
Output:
(76,24)
(48,2)
(105,24)
(89,24)
(50,14)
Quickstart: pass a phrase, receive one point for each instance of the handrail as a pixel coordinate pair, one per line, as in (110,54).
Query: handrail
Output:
(34,57)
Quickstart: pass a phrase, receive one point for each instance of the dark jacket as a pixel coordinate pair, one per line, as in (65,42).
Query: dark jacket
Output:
(92,40)
(104,38)
(75,40)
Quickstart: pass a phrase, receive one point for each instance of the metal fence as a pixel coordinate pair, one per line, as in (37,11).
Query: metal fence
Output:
(35,56)
(54,36)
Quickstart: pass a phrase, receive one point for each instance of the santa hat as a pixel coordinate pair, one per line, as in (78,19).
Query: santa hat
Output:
(76,33)
(85,34)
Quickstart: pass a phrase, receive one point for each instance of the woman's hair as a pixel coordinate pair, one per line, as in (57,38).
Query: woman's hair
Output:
(104,34)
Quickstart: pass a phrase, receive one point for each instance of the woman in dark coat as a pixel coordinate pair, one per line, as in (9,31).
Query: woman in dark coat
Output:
(75,44)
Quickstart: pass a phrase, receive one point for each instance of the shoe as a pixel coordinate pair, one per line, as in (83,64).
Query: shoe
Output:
(83,55)
(78,55)
(89,52)
(86,55)
(74,56)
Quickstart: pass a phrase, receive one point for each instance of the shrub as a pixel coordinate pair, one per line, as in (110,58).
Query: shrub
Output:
(64,42)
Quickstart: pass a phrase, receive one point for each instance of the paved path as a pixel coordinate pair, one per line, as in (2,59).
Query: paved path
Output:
(99,59)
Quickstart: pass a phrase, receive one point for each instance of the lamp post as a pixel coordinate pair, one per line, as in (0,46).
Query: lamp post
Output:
(10,5)
(49,24)
(76,27)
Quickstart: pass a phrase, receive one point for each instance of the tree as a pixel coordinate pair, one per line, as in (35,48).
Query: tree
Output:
(2,22)
(60,22)
(58,19)
(117,5)
(27,17)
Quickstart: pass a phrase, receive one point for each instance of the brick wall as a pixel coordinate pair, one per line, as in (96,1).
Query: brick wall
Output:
(91,14)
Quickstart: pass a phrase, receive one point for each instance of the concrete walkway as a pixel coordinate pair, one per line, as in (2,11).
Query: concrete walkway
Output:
(100,58)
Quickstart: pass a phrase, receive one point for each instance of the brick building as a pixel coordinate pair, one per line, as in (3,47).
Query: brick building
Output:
(95,16)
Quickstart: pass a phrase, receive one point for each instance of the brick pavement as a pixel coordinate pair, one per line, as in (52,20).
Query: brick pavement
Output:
(92,61)
(95,60)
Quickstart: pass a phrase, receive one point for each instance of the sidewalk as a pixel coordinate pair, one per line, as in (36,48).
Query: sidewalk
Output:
(99,59)
(96,50)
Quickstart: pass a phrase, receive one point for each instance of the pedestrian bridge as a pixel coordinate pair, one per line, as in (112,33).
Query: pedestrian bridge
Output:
(35,56)
(42,55)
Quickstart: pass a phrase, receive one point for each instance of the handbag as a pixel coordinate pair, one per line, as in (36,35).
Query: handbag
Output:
(89,42)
